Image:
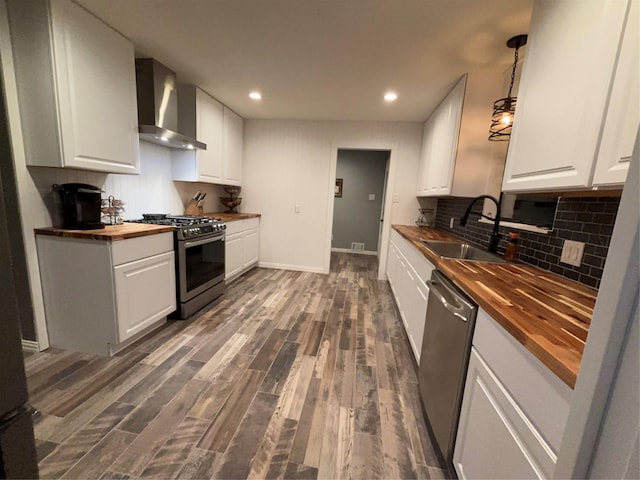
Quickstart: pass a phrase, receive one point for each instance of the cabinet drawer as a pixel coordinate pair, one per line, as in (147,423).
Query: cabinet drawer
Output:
(539,392)
(124,251)
(242,225)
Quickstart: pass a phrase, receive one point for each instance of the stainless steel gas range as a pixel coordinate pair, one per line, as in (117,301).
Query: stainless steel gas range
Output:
(199,245)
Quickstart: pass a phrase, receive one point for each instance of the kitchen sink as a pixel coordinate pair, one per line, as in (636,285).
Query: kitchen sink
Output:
(461,251)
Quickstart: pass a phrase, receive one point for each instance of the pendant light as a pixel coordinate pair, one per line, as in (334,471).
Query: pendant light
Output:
(504,108)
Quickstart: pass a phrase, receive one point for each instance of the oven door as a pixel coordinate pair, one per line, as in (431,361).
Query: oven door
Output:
(200,265)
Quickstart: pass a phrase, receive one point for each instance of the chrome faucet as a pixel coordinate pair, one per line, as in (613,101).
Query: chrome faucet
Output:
(495,237)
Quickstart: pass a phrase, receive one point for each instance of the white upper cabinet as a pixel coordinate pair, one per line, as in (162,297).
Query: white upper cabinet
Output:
(440,144)
(76,86)
(623,113)
(457,158)
(232,148)
(199,165)
(563,94)
(219,128)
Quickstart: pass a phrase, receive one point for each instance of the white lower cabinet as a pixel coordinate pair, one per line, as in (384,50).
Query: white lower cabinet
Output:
(101,295)
(233,255)
(144,293)
(407,272)
(242,247)
(514,410)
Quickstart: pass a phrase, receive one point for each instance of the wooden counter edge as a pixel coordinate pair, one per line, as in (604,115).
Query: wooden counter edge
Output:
(102,235)
(232,217)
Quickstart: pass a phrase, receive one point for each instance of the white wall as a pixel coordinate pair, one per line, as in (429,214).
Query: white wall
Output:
(289,162)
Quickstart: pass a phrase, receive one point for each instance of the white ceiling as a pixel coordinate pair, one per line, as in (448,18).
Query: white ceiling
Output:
(322,59)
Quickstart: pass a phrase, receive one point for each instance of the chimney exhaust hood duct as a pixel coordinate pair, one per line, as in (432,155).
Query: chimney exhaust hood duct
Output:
(158,106)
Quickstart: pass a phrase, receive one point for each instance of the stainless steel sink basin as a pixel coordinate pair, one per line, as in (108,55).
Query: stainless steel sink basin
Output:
(461,251)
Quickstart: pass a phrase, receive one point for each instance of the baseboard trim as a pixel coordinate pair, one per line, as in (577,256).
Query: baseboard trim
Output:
(297,268)
(347,250)
(30,346)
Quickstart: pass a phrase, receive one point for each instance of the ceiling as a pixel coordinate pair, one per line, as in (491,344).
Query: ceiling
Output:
(322,59)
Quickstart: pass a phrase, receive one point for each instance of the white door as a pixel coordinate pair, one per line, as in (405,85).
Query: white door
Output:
(384,196)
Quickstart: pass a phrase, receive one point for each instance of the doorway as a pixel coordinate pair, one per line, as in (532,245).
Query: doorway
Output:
(359,200)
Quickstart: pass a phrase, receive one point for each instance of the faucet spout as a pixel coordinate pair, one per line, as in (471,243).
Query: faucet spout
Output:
(495,237)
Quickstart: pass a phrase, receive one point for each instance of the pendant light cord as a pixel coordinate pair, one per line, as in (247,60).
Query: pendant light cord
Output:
(513,71)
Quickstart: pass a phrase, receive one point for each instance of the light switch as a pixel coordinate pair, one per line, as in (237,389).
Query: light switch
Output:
(572,253)
(296,209)
(372,196)
(396,198)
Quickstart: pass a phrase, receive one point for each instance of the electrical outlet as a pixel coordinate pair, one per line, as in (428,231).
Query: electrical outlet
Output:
(572,253)
(372,196)
(451,222)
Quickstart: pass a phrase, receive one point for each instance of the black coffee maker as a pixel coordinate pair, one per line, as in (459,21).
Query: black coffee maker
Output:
(78,205)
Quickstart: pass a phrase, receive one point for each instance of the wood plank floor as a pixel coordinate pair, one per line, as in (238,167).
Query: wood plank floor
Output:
(289,375)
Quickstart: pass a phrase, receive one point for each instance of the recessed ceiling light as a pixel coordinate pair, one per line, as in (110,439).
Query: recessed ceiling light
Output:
(255,95)
(390,97)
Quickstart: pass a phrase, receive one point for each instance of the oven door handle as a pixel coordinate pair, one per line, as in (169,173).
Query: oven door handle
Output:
(219,238)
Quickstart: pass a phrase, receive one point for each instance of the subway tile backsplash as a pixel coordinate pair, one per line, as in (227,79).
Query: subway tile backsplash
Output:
(584,219)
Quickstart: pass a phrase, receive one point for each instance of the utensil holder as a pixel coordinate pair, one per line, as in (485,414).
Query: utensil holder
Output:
(192,208)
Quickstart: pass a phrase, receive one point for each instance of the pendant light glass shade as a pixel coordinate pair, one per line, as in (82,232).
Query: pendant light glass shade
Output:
(504,108)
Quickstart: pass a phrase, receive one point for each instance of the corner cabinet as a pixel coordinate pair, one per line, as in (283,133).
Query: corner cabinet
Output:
(76,88)
(457,158)
(242,247)
(201,117)
(577,107)
(407,272)
(514,400)
(100,295)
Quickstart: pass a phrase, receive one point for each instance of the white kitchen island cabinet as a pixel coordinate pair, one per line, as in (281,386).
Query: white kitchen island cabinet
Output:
(572,93)
(76,88)
(407,272)
(514,410)
(101,295)
(242,247)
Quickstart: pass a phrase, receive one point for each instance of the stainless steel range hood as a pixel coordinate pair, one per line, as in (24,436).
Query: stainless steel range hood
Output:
(158,106)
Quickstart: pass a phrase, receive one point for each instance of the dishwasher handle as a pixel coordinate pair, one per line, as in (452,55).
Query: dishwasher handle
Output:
(450,298)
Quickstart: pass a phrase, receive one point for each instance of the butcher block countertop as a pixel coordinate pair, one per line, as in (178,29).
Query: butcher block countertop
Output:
(547,313)
(230,217)
(110,232)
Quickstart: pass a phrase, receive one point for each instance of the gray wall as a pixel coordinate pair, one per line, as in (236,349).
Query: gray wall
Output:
(355,217)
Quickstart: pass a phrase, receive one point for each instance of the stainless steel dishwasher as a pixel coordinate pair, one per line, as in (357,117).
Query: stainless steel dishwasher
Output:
(446,346)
